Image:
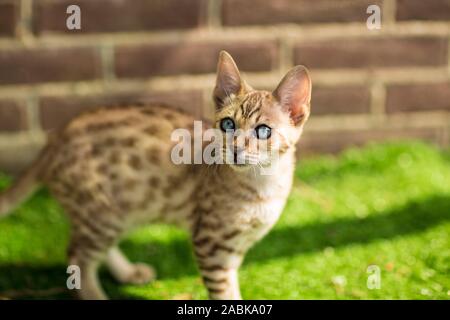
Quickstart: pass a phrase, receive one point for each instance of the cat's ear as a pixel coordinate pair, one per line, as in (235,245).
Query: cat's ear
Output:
(228,81)
(294,94)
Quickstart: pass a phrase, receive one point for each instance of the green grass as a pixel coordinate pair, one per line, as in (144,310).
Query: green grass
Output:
(386,205)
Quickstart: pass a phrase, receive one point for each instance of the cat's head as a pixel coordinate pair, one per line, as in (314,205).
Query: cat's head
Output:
(259,126)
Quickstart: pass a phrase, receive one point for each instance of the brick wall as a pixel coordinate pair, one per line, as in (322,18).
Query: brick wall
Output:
(392,83)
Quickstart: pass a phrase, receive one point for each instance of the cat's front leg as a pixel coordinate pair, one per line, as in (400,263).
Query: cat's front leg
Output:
(218,266)
(221,283)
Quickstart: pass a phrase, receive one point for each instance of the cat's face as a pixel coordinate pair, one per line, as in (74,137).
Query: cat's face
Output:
(259,126)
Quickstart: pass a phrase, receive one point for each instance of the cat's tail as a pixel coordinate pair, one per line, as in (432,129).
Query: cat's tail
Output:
(24,186)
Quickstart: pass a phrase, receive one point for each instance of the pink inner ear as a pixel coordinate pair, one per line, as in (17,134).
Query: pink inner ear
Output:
(299,102)
(228,80)
(301,92)
(297,112)
(230,84)
(294,93)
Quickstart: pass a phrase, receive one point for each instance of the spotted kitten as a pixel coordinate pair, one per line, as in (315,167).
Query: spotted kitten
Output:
(111,170)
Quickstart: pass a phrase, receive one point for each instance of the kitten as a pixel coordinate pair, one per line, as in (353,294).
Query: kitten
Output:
(111,171)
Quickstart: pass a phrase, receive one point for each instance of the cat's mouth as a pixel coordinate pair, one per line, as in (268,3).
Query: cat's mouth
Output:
(241,161)
(242,165)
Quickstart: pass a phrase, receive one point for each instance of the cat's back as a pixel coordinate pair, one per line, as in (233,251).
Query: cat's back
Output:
(156,121)
(126,153)
(130,137)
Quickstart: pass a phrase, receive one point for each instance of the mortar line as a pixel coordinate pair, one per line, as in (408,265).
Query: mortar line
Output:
(335,78)
(377,103)
(24,27)
(378,98)
(107,60)
(389,9)
(256,33)
(286,48)
(448,56)
(445,136)
(33,112)
(214,14)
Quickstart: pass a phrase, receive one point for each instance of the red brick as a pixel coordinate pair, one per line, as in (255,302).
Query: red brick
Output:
(193,58)
(56,111)
(8,18)
(418,97)
(340,100)
(368,53)
(263,12)
(12,115)
(336,140)
(423,10)
(121,15)
(48,65)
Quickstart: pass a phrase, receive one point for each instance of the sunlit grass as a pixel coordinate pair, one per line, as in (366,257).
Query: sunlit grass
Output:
(386,205)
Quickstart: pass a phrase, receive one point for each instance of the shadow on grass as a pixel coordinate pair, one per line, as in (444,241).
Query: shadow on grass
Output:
(416,216)
(31,281)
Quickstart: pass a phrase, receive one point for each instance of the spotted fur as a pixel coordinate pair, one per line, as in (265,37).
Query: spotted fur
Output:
(111,171)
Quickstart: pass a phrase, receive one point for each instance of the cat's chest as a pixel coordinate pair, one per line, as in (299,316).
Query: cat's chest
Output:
(253,222)
(259,210)
(250,206)
(260,213)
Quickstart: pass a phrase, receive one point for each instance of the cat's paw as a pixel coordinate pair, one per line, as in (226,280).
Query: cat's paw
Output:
(141,274)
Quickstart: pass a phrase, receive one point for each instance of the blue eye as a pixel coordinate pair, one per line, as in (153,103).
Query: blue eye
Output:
(263,132)
(227,124)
